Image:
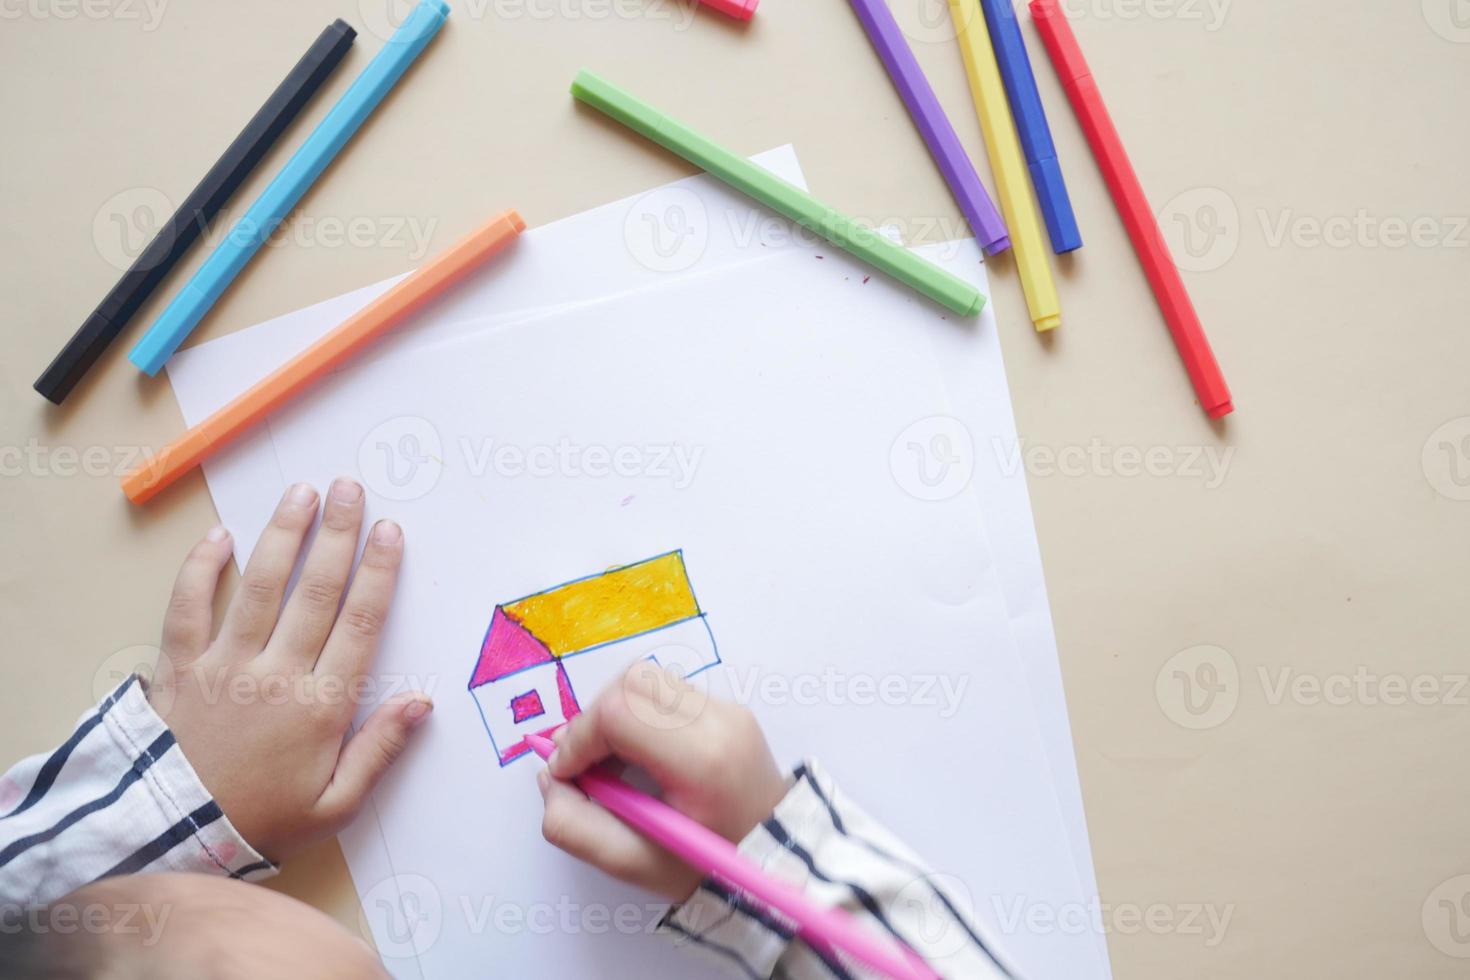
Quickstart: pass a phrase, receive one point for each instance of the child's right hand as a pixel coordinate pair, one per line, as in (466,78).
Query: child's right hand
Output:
(708,756)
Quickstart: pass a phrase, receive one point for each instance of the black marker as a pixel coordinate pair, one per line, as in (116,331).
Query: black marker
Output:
(197,211)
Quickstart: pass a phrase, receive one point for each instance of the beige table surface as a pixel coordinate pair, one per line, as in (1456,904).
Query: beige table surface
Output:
(1310,162)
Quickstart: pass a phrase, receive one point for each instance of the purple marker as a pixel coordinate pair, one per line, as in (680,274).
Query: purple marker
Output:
(944,145)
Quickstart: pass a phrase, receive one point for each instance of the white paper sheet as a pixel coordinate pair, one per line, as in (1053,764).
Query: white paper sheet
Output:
(246,480)
(823,580)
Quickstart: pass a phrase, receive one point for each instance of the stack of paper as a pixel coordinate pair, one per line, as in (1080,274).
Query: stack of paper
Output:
(792,460)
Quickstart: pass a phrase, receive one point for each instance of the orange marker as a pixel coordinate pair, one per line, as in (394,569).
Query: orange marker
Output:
(355,333)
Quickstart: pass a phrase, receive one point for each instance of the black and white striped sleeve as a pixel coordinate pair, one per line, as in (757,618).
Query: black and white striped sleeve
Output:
(839,856)
(116,797)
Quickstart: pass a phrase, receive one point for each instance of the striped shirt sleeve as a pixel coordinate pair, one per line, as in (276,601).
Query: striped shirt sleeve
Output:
(829,848)
(116,797)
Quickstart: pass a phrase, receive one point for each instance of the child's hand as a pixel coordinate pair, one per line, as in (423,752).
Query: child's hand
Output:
(708,756)
(261,709)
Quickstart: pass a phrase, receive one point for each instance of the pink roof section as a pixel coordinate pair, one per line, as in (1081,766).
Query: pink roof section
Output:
(508,647)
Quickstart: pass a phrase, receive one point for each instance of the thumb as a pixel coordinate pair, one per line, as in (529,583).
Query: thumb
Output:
(368,754)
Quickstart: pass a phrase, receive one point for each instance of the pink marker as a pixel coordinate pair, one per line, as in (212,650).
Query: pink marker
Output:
(739,9)
(706,851)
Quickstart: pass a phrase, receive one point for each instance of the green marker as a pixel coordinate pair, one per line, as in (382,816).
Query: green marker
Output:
(795,203)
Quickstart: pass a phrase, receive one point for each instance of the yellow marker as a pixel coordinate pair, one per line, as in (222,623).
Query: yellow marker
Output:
(612,606)
(1011,177)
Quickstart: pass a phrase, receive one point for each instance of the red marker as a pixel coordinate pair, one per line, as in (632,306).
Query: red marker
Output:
(1138,217)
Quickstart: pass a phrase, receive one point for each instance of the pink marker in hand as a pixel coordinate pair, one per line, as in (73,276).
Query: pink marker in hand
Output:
(706,851)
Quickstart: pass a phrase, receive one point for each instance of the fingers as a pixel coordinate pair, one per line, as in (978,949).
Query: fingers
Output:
(369,754)
(587,832)
(634,720)
(257,603)
(354,639)
(312,607)
(188,624)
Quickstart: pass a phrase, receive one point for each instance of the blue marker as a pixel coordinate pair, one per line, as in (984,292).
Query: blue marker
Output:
(1031,126)
(276,201)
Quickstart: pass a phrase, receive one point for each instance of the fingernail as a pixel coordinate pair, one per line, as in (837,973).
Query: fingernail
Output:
(543,782)
(346,491)
(302,494)
(551,759)
(387,532)
(217,534)
(416,711)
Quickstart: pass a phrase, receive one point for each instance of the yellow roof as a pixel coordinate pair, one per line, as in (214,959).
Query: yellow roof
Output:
(617,604)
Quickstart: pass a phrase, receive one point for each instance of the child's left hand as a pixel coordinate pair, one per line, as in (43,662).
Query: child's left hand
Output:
(260,709)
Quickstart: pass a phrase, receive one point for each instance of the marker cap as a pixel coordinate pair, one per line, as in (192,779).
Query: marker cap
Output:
(1068,59)
(1056,206)
(739,9)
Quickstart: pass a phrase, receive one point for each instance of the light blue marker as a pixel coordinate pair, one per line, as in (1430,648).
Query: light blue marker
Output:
(276,201)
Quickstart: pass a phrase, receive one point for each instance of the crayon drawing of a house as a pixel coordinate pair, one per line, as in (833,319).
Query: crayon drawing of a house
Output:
(547,654)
